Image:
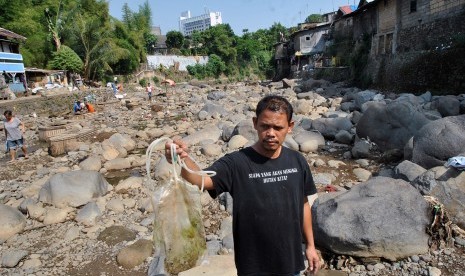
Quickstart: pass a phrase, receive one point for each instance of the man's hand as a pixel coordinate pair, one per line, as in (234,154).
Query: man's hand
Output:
(181,149)
(313,260)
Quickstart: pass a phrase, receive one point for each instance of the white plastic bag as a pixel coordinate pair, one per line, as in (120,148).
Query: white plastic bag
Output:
(178,234)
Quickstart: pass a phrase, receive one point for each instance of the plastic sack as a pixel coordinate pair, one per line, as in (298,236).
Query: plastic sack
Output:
(456,162)
(178,232)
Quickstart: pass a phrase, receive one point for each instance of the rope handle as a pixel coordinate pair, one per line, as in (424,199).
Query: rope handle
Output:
(176,160)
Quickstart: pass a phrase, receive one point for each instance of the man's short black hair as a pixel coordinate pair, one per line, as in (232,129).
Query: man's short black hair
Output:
(276,104)
(7,113)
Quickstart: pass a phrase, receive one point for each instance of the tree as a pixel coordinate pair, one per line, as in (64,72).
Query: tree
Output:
(314,18)
(66,59)
(55,25)
(215,66)
(174,39)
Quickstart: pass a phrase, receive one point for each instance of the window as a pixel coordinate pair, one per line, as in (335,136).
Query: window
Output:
(413,6)
(307,38)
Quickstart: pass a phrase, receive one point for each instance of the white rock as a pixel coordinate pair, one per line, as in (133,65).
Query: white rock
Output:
(11,222)
(131,183)
(35,211)
(115,205)
(237,141)
(362,174)
(74,188)
(92,163)
(53,215)
(117,164)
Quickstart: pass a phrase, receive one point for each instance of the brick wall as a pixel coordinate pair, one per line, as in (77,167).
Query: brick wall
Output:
(428,11)
(387,16)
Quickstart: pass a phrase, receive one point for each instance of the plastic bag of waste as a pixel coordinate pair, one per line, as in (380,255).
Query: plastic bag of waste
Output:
(456,162)
(178,232)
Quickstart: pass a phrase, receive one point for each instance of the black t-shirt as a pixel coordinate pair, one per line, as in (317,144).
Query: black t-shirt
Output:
(268,208)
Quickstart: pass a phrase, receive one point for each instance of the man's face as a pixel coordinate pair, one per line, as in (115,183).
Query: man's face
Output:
(272,128)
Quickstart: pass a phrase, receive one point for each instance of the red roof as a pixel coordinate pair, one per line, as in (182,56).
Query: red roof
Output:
(346,9)
(9,34)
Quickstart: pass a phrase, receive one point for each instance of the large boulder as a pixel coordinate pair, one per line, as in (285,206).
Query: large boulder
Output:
(329,127)
(246,129)
(11,222)
(123,141)
(439,140)
(309,141)
(390,126)
(210,132)
(447,185)
(382,217)
(75,188)
(214,109)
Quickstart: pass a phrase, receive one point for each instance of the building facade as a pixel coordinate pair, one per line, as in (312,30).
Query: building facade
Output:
(189,24)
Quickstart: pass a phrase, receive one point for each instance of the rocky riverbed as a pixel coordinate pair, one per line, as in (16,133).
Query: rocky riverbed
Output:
(371,217)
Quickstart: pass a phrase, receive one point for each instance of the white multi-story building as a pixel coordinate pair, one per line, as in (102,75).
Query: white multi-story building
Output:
(188,24)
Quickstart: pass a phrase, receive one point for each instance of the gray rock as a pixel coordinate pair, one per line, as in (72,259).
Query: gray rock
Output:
(88,214)
(203,115)
(390,126)
(135,254)
(291,143)
(211,132)
(213,247)
(429,151)
(329,127)
(12,258)
(92,163)
(246,129)
(117,164)
(344,137)
(75,188)
(116,234)
(228,241)
(408,171)
(382,217)
(448,106)
(425,182)
(72,233)
(26,202)
(450,191)
(216,95)
(362,97)
(213,109)
(361,149)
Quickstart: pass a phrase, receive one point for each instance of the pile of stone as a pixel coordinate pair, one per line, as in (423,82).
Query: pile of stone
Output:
(381,154)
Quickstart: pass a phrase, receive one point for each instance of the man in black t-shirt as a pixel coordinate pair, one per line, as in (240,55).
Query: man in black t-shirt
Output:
(269,184)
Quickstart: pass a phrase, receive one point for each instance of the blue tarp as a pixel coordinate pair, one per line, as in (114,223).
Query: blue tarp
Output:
(12,67)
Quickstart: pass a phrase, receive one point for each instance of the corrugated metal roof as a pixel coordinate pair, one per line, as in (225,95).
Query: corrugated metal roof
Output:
(9,34)
(12,67)
(346,9)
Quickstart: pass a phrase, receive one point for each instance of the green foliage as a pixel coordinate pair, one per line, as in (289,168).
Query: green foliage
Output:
(66,59)
(314,18)
(156,80)
(174,39)
(215,66)
(143,82)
